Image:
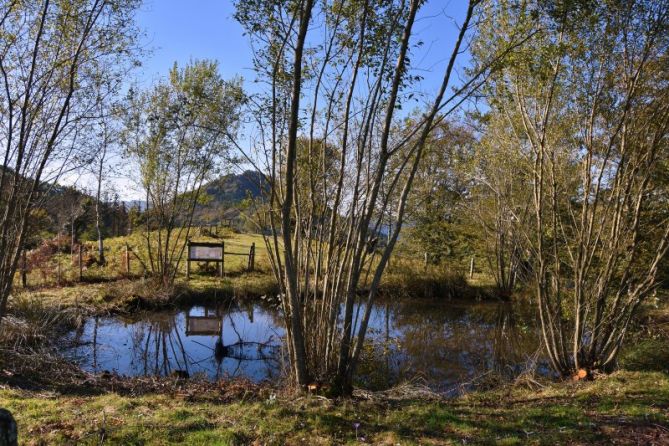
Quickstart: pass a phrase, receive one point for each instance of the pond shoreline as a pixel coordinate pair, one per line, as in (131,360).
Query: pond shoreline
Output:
(126,296)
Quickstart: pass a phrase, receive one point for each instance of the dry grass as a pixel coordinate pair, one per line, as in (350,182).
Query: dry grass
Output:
(408,278)
(34,323)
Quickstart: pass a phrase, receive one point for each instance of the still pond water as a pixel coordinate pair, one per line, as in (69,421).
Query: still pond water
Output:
(444,344)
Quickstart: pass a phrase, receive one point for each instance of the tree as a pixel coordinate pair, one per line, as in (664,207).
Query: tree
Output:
(356,75)
(587,105)
(177,133)
(51,54)
(103,149)
(501,201)
(437,205)
(102,158)
(72,206)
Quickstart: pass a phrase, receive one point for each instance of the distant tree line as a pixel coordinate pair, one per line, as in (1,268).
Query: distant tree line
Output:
(71,212)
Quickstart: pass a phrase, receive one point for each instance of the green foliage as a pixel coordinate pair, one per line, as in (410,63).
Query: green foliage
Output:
(438,207)
(575,140)
(180,129)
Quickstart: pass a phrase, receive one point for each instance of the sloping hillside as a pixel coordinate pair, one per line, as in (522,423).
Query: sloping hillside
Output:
(227,193)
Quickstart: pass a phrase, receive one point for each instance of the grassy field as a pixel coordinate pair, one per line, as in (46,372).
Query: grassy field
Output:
(110,288)
(44,273)
(623,408)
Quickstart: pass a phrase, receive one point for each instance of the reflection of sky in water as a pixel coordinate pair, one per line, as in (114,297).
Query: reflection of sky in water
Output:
(158,345)
(444,343)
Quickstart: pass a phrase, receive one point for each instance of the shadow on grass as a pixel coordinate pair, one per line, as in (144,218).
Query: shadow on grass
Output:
(646,355)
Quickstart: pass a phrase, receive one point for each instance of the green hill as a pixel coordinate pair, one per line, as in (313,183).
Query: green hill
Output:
(224,196)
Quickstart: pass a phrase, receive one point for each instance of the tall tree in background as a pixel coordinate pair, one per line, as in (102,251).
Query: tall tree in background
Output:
(588,107)
(341,87)
(501,202)
(104,144)
(178,133)
(73,206)
(52,55)
(100,165)
(437,206)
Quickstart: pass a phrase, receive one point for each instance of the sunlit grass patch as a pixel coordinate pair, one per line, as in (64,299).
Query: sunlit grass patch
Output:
(593,412)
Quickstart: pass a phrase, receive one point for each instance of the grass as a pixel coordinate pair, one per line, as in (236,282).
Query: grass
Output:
(408,277)
(46,275)
(624,407)
(108,288)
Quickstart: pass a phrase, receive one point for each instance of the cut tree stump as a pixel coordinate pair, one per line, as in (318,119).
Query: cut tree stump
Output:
(580,375)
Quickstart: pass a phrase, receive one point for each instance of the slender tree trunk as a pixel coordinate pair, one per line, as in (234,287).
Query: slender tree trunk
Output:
(290,267)
(98,210)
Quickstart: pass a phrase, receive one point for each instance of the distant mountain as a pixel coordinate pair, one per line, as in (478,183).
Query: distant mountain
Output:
(227,193)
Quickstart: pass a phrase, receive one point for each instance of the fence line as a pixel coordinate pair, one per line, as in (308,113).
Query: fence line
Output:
(53,272)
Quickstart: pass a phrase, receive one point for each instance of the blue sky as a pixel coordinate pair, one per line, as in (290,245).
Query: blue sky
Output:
(181,30)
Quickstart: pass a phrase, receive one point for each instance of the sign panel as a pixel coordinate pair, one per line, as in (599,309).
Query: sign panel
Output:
(205,253)
(203,326)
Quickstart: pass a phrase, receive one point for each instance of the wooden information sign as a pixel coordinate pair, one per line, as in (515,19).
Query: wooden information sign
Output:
(206,252)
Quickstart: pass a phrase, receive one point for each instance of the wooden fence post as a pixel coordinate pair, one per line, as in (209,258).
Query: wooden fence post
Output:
(188,260)
(127,259)
(252,257)
(81,266)
(24,268)
(471,268)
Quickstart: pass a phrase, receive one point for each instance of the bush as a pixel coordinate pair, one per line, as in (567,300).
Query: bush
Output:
(409,279)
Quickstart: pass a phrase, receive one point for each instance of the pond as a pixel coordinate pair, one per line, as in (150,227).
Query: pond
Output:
(444,344)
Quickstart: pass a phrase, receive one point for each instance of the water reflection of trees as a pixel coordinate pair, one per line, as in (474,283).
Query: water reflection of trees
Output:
(449,344)
(158,344)
(446,344)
